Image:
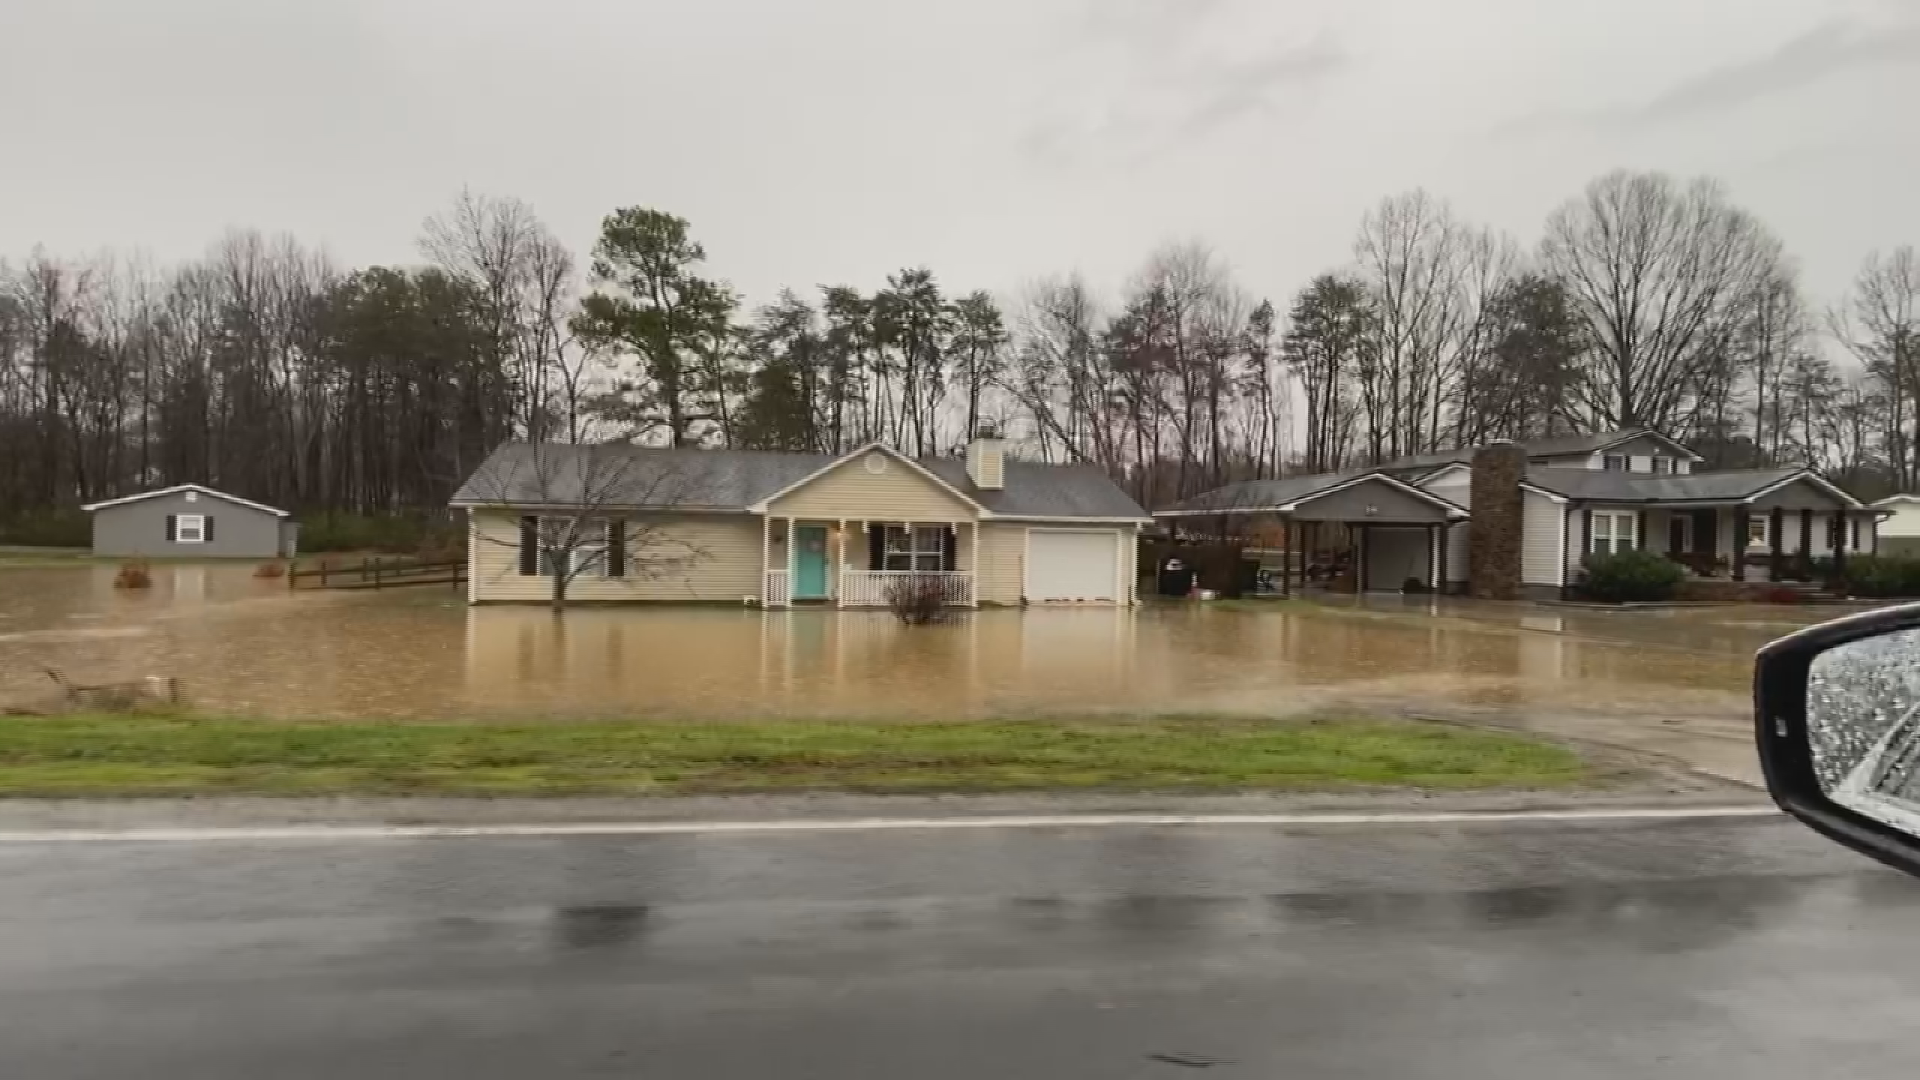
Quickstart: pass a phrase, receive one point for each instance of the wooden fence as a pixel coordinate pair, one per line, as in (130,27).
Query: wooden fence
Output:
(374,572)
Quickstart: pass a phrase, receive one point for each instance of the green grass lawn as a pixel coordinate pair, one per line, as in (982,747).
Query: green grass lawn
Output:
(156,755)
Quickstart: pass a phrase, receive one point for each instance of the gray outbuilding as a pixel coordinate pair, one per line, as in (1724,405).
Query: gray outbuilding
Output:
(192,521)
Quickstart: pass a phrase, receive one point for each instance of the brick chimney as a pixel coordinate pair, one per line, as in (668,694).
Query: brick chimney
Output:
(1494,534)
(987,460)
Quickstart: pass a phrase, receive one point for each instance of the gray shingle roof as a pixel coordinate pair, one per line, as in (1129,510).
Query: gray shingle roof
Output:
(1598,485)
(618,475)
(1563,446)
(1269,493)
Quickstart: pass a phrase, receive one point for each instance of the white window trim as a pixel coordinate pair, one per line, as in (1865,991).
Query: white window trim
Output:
(1613,534)
(913,552)
(587,558)
(1765,539)
(199,528)
(1625,460)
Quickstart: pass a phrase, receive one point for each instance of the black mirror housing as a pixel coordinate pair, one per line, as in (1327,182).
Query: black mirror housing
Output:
(1783,671)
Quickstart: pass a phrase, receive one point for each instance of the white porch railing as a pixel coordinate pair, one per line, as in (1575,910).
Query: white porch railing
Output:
(779,589)
(873,588)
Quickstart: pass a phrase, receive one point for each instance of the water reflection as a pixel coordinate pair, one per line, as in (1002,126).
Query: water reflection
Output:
(250,645)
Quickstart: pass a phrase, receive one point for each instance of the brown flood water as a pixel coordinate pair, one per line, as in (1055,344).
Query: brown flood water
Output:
(241,644)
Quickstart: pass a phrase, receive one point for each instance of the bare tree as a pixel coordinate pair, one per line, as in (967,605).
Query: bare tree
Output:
(1409,255)
(590,510)
(1659,270)
(1880,324)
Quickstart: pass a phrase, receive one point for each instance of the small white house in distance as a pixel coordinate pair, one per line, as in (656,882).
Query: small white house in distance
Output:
(189,521)
(1899,524)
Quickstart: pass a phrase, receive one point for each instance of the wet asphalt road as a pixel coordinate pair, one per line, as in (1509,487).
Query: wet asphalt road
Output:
(1747,949)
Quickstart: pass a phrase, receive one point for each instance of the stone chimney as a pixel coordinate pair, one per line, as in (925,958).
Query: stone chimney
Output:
(987,460)
(1497,528)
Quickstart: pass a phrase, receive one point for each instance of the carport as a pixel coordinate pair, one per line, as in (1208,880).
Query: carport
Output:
(1398,531)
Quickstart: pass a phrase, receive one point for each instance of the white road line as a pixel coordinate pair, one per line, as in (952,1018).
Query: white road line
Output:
(832,825)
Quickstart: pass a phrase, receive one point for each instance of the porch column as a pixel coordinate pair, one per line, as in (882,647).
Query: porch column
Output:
(837,573)
(1838,520)
(1640,532)
(1360,564)
(974,587)
(1440,558)
(1775,519)
(1435,551)
(1739,553)
(1806,544)
(766,555)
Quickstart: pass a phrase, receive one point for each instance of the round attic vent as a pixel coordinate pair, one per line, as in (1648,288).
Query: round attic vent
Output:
(876,463)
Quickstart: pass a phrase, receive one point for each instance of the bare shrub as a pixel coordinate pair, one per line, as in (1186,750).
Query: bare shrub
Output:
(134,575)
(920,599)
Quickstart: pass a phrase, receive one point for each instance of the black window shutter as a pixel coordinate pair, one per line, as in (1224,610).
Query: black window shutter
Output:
(616,548)
(949,550)
(206,529)
(173,527)
(876,547)
(529,546)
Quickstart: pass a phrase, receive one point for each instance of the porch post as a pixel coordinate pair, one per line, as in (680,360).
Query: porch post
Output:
(1434,551)
(1775,519)
(1440,559)
(1838,521)
(837,573)
(1739,552)
(766,556)
(973,588)
(1640,531)
(1806,544)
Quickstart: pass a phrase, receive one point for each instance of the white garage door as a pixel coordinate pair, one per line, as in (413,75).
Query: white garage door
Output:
(1064,566)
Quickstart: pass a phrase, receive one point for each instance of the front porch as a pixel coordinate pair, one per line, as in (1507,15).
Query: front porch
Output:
(855,564)
(1735,543)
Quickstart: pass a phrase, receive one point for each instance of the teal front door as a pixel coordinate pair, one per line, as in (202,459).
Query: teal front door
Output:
(810,562)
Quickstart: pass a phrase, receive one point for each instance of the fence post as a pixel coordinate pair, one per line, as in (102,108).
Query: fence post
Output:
(376,574)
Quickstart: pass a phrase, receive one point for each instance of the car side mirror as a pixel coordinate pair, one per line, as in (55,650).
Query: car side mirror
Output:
(1837,718)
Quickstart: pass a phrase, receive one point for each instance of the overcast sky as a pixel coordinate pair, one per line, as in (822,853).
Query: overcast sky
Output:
(993,140)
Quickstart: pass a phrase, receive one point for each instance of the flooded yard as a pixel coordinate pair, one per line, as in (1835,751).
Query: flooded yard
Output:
(247,645)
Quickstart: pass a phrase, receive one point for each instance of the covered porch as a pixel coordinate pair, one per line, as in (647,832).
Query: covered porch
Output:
(1799,536)
(857,563)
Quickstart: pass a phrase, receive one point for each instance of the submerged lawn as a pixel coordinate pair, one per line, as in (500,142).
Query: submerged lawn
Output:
(146,755)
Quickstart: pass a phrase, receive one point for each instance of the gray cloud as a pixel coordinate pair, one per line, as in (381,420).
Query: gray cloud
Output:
(1826,50)
(1173,85)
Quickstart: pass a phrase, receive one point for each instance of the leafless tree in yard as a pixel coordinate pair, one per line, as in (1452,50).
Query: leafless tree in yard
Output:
(591,510)
(1880,324)
(1409,254)
(1658,269)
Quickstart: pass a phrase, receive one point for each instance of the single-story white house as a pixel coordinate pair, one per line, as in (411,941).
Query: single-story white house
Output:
(1528,514)
(1899,524)
(785,529)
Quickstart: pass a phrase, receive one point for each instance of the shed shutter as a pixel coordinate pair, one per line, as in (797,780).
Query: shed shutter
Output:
(949,550)
(616,548)
(206,529)
(529,546)
(876,546)
(173,527)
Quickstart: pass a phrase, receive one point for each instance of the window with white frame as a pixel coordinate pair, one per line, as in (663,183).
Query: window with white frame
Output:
(1616,462)
(1613,531)
(190,529)
(1662,466)
(585,556)
(919,547)
(1757,534)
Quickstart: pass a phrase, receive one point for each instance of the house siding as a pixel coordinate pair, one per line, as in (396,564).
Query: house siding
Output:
(1905,521)
(727,570)
(1390,504)
(140,529)
(1003,552)
(1541,549)
(848,492)
(1456,486)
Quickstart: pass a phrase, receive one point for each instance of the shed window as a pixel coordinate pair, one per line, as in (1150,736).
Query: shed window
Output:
(1613,531)
(190,529)
(1616,462)
(1662,466)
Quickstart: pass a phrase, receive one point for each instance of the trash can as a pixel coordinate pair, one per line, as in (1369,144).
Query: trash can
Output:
(1176,579)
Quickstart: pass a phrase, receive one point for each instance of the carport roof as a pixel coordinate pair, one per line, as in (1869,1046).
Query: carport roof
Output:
(1288,494)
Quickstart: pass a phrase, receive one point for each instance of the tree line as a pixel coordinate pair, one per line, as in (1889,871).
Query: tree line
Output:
(261,368)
